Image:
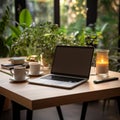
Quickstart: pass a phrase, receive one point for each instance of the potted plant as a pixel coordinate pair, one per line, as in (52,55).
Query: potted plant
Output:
(40,39)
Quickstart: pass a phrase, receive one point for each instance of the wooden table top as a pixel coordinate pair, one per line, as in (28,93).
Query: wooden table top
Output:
(36,96)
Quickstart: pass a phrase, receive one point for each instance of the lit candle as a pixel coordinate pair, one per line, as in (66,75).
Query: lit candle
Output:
(102,62)
(101,67)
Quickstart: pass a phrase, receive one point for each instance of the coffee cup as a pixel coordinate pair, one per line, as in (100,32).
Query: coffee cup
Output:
(19,73)
(34,68)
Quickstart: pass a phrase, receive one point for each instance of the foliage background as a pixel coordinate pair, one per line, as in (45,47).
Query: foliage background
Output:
(73,18)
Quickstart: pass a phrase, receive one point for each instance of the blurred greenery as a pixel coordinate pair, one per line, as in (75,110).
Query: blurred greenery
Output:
(29,38)
(37,39)
(4,42)
(108,17)
(107,14)
(73,27)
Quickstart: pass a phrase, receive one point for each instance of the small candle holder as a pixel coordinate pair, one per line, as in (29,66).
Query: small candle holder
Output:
(102,62)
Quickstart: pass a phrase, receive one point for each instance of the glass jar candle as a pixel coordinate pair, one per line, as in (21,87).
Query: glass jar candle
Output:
(102,62)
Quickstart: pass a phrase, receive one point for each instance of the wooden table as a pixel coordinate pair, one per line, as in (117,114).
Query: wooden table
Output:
(37,97)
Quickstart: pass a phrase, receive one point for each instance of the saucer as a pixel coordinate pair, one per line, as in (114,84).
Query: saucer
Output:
(17,81)
(41,73)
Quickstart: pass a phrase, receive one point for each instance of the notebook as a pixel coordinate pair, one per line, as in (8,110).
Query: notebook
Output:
(71,67)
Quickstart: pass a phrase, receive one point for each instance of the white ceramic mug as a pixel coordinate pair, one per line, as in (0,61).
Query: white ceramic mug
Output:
(34,68)
(19,73)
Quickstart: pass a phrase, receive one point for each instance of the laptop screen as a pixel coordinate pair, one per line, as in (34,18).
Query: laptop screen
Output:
(72,61)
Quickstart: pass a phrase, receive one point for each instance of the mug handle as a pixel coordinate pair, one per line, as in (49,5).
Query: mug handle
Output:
(27,72)
(11,71)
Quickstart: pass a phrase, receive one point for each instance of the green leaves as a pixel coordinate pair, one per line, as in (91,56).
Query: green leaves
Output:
(25,17)
(41,39)
(4,21)
(16,31)
(89,36)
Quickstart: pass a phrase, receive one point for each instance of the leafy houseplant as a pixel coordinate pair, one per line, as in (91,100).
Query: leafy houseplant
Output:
(38,39)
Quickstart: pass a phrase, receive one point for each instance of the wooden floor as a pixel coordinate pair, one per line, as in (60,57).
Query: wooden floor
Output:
(73,111)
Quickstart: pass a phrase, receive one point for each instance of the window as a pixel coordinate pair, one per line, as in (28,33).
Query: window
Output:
(41,10)
(108,13)
(4,3)
(73,14)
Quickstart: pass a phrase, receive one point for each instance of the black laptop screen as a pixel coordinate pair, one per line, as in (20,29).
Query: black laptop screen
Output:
(72,60)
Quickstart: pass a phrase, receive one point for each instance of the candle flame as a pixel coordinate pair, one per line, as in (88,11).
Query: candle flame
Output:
(102,61)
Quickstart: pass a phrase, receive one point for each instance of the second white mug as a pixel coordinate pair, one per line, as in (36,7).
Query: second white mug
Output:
(34,68)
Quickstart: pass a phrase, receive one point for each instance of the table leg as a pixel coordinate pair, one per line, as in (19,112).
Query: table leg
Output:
(29,114)
(59,112)
(118,102)
(16,108)
(84,110)
(15,111)
(2,101)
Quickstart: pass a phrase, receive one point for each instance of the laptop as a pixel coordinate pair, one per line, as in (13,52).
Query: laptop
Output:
(70,68)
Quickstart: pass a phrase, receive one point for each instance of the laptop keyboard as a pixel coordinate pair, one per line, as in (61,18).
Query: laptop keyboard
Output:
(61,78)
